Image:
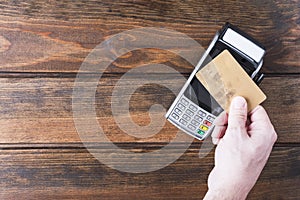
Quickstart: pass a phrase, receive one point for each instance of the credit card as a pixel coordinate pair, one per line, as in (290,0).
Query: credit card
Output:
(224,79)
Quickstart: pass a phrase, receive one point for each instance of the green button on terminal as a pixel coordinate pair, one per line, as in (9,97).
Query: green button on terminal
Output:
(201,132)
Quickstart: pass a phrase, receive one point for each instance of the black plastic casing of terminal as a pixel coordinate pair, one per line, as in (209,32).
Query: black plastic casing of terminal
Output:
(248,64)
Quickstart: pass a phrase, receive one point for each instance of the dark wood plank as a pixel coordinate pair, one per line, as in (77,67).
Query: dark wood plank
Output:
(39,110)
(43,36)
(75,174)
(42,45)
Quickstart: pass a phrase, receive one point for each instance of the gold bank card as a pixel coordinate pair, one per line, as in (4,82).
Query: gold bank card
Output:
(224,78)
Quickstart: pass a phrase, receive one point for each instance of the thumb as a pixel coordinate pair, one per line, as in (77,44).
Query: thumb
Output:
(237,116)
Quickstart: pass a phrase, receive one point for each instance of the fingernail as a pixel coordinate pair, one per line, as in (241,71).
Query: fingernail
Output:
(238,102)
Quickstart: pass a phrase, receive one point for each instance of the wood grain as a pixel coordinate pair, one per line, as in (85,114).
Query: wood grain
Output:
(40,110)
(42,46)
(47,36)
(75,174)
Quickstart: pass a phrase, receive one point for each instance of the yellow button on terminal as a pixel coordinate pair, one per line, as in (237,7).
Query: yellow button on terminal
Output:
(204,128)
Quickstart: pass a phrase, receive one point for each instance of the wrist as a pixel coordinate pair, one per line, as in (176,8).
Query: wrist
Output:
(223,187)
(225,194)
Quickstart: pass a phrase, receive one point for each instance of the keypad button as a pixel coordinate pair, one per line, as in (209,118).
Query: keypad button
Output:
(198,118)
(186,117)
(184,101)
(183,121)
(195,123)
(191,127)
(203,128)
(207,123)
(210,118)
(178,111)
(201,132)
(193,108)
(175,116)
(181,106)
(189,112)
(201,113)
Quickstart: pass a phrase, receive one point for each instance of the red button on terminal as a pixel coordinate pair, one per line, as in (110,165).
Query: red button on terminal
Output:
(207,123)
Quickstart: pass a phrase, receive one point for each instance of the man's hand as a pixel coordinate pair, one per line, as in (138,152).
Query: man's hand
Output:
(244,146)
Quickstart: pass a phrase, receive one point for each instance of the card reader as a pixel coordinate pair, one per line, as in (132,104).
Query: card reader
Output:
(194,109)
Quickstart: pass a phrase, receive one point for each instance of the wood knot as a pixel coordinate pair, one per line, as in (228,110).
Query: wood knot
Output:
(4,44)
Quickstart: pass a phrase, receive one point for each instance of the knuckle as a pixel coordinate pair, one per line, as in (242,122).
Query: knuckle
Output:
(240,115)
(275,136)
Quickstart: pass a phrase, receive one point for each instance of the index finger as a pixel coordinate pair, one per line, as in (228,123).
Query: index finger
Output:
(222,119)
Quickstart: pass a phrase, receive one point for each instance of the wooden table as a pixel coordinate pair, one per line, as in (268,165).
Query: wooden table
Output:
(42,46)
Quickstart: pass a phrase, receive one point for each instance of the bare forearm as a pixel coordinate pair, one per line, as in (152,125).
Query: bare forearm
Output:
(224,195)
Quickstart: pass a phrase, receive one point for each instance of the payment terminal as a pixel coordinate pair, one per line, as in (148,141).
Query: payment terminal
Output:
(194,109)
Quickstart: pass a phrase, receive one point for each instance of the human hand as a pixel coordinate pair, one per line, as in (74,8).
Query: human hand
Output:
(244,146)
